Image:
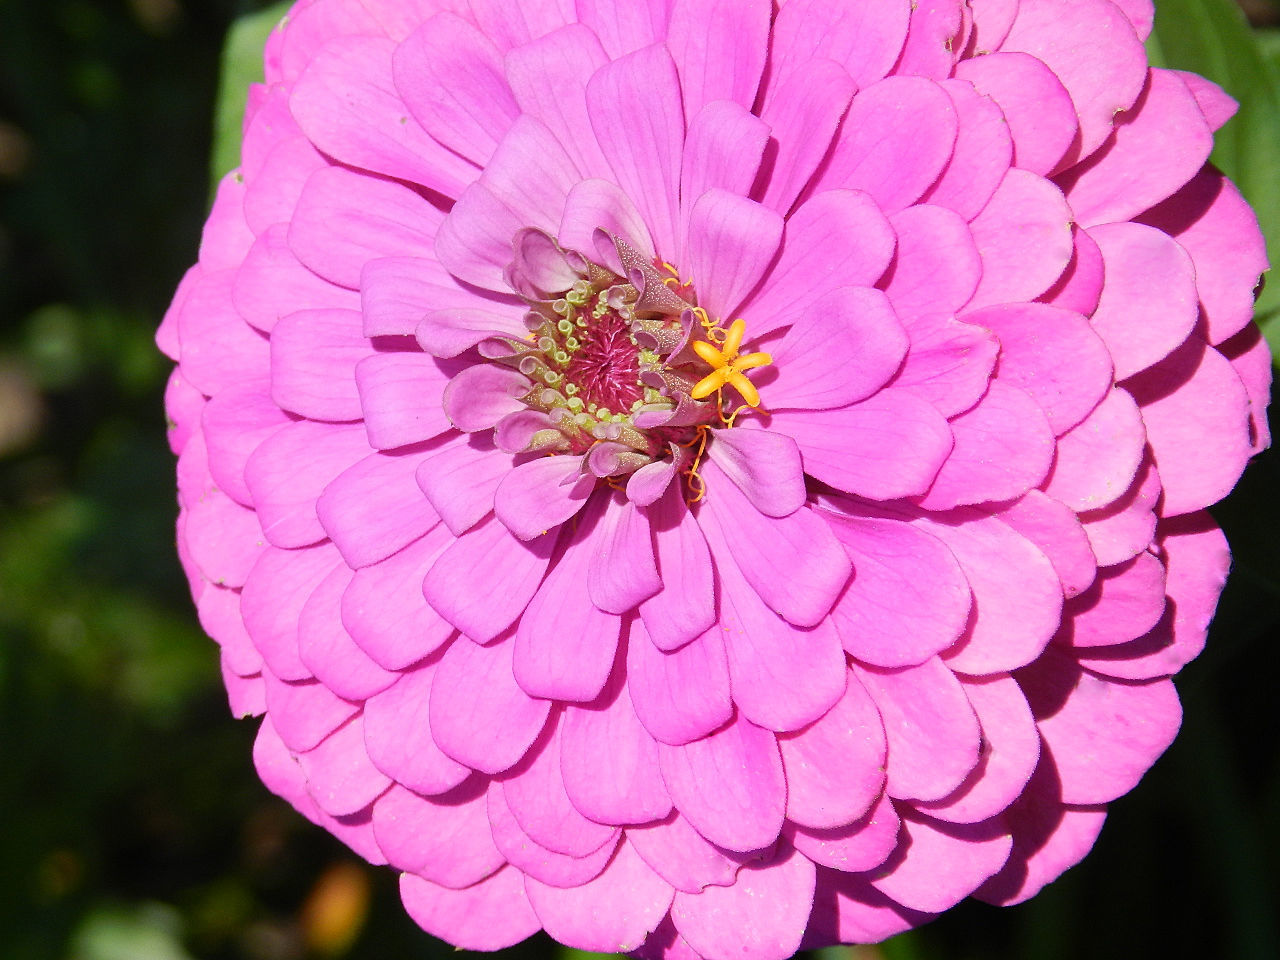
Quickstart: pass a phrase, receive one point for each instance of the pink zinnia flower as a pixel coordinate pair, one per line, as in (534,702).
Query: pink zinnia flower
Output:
(707,480)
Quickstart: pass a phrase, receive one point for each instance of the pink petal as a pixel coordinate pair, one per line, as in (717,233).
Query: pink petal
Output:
(865,38)
(599,205)
(731,242)
(304,713)
(1024,238)
(1010,751)
(1196,413)
(1125,602)
(624,26)
(941,864)
(535,860)
(531,173)
(1037,108)
(1214,224)
(888,446)
(1003,447)
(616,911)
(800,575)
(1156,148)
(861,845)
(481,395)
(396,293)
(847,908)
(1093,51)
(487,553)
(938,266)
(277,587)
(219,611)
(835,239)
(272,282)
(719,48)
(534,792)
(219,350)
(401,396)
(1051,354)
(509,27)
(764,466)
(385,612)
(729,785)
(397,734)
(565,645)
(1057,532)
(908,599)
(723,149)
(224,538)
(313,359)
(685,606)
(541,494)
(609,761)
(635,111)
(982,155)
(474,241)
(226,237)
(933,40)
(340,777)
(1098,458)
(1148,305)
(1102,735)
(682,694)
(490,915)
(375,508)
(450,76)
(445,839)
(1080,286)
(842,350)
(1250,357)
(931,729)
(835,766)
(949,364)
(804,109)
(345,219)
(680,855)
(762,916)
(479,715)
(895,142)
(459,481)
(1125,527)
(329,651)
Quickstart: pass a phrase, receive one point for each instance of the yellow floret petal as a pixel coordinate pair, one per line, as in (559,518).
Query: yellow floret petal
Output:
(752,360)
(710,384)
(737,330)
(746,388)
(709,354)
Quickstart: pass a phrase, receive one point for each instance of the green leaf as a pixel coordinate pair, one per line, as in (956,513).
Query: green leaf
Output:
(241,66)
(1212,38)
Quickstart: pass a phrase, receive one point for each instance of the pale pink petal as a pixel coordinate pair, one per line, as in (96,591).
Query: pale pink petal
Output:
(594,205)
(375,508)
(479,715)
(835,766)
(682,694)
(731,242)
(942,863)
(277,587)
(949,364)
(1196,413)
(835,239)
(625,26)
(894,143)
(541,494)
(1059,534)
(908,599)
(862,845)
(1036,106)
(764,466)
(729,785)
(1003,447)
(385,612)
(397,734)
(450,76)
(532,174)
(719,48)
(680,855)
(724,148)
(635,111)
(396,293)
(1156,148)
(841,350)
(1093,50)
(535,794)
(481,395)
(932,732)
(445,839)
(226,237)
(1024,238)
(219,350)
(982,154)
(272,189)
(762,916)
(535,860)
(344,220)
(938,266)
(685,606)
(510,26)
(313,363)
(314,24)
(272,282)
(474,242)
(888,446)
(487,553)
(616,911)
(1098,458)
(866,38)
(622,571)
(609,761)
(803,110)
(1053,355)
(1148,305)
(459,481)
(489,915)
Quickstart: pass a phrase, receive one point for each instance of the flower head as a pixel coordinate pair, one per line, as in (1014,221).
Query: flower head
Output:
(705,480)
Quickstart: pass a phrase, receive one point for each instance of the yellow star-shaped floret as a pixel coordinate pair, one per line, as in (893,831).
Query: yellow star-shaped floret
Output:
(727,367)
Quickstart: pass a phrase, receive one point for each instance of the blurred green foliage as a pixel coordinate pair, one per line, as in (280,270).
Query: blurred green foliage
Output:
(136,829)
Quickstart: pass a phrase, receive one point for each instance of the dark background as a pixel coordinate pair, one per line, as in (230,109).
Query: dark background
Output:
(132,826)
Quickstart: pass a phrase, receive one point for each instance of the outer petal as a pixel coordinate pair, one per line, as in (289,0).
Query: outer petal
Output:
(490,915)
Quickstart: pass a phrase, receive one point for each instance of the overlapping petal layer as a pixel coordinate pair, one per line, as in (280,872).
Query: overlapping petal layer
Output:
(717,678)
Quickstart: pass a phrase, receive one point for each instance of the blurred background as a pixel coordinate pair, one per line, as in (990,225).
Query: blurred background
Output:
(132,826)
